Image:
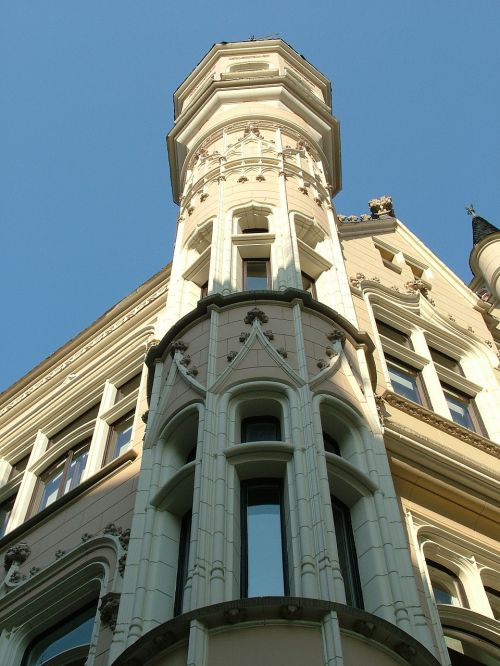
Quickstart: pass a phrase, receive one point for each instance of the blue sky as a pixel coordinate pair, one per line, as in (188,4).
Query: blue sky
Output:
(86,101)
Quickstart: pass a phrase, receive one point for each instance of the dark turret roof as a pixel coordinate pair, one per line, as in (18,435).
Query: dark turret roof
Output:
(481,228)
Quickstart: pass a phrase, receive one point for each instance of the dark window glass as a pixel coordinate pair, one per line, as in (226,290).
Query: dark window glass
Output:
(204,290)
(462,410)
(63,476)
(254,230)
(191,455)
(494,599)
(330,444)
(446,586)
(67,635)
(5,510)
(348,560)
(260,429)
(262,539)
(183,562)
(394,334)
(446,361)
(128,387)
(308,284)
(404,380)
(119,436)
(19,466)
(256,274)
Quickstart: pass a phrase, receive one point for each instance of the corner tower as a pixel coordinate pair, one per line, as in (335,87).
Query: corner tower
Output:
(266,523)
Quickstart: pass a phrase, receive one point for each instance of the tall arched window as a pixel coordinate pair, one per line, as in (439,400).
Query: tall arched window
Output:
(183,561)
(70,638)
(263,560)
(348,560)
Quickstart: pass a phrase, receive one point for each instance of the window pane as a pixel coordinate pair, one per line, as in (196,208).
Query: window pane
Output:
(76,469)
(120,436)
(260,429)
(5,511)
(459,411)
(393,334)
(51,488)
(404,383)
(183,562)
(348,559)
(70,634)
(256,274)
(265,574)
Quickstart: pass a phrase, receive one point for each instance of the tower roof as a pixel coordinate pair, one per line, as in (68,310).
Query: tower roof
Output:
(481,228)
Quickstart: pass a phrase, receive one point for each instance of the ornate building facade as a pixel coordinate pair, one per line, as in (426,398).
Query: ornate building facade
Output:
(284,447)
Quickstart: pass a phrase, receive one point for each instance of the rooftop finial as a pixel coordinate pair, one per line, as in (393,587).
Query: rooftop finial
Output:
(470,210)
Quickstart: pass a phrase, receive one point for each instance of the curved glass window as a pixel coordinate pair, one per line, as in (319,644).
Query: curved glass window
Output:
(183,562)
(263,567)
(446,586)
(348,559)
(70,637)
(260,429)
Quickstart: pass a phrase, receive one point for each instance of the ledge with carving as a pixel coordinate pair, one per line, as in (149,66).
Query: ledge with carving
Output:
(427,416)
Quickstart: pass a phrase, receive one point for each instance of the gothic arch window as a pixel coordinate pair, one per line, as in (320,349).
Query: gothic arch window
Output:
(260,419)
(180,439)
(446,585)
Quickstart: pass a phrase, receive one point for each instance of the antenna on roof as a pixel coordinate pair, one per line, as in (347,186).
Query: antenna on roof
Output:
(470,210)
(275,35)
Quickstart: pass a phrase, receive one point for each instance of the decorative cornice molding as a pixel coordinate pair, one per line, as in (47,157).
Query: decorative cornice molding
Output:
(442,423)
(83,350)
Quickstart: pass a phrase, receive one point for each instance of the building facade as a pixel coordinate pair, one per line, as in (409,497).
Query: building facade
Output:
(284,447)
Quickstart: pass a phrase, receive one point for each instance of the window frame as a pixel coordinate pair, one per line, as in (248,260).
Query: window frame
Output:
(112,437)
(245,485)
(348,558)
(469,405)
(66,459)
(412,373)
(249,420)
(447,579)
(260,260)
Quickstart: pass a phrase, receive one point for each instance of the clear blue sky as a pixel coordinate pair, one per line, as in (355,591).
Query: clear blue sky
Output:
(86,101)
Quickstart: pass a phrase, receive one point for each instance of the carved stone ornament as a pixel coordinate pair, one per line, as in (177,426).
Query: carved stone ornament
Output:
(192,372)
(304,190)
(17,578)
(185,360)
(235,615)
(364,628)
(18,554)
(417,286)
(179,345)
(121,564)
(242,179)
(322,364)
(336,335)
(356,281)
(381,206)
(114,530)
(451,317)
(190,210)
(86,536)
(108,609)
(244,335)
(144,417)
(282,352)
(318,200)
(354,219)
(34,571)
(282,173)
(260,178)
(124,539)
(60,553)
(379,401)
(291,612)
(331,352)
(231,356)
(256,313)
(152,343)
(405,650)
(269,334)
(204,196)
(221,179)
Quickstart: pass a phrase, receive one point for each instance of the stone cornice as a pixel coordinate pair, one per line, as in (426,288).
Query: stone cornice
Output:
(370,627)
(88,341)
(442,423)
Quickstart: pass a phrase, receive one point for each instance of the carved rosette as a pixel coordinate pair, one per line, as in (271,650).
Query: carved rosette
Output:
(256,314)
(381,207)
(178,346)
(16,554)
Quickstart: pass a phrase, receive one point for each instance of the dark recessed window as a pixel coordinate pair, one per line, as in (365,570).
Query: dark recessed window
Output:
(256,274)
(331,444)
(405,381)
(462,409)
(183,561)
(260,429)
(348,560)
(394,334)
(204,290)
(308,284)
(255,230)
(70,637)
(128,387)
(19,466)
(446,361)
(494,599)
(62,477)
(191,455)
(263,562)
(120,436)
(5,511)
